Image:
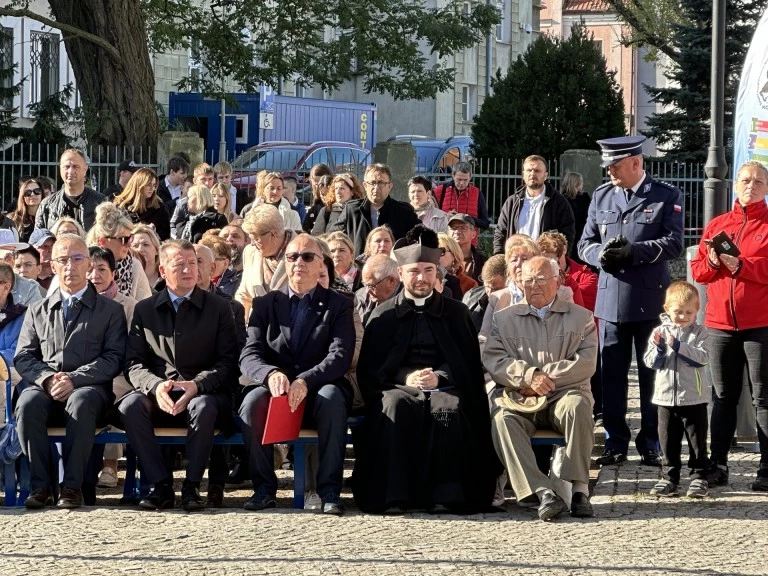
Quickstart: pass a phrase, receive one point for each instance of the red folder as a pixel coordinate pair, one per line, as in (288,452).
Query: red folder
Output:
(282,424)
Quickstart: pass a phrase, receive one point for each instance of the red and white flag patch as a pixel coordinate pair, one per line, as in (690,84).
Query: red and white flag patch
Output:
(677,208)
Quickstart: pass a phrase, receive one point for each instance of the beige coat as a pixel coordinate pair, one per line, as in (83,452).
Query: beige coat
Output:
(253,284)
(563,345)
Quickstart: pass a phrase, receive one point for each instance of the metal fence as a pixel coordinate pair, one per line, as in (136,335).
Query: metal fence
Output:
(37,160)
(498,178)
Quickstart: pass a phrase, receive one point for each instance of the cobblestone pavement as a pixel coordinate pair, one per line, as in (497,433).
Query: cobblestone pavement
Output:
(631,534)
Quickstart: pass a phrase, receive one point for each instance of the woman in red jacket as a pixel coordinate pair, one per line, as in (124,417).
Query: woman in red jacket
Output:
(737,315)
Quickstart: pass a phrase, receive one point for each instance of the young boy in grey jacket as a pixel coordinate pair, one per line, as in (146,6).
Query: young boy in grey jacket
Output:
(677,351)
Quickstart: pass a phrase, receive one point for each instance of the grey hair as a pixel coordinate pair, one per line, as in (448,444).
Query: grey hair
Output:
(753,164)
(381,266)
(536,259)
(178,244)
(463,167)
(71,238)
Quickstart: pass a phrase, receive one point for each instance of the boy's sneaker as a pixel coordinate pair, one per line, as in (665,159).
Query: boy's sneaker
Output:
(718,475)
(107,478)
(664,489)
(312,501)
(698,489)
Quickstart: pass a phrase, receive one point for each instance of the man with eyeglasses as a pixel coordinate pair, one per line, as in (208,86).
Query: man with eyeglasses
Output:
(71,347)
(300,342)
(380,283)
(74,199)
(182,361)
(458,196)
(541,354)
(359,217)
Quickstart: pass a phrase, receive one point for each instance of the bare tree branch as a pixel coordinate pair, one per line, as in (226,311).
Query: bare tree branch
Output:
(23,12)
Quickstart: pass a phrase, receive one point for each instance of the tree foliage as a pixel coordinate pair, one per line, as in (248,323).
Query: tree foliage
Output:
(557,96)
(8,91)
(651,23)
(316,42)
(682,129)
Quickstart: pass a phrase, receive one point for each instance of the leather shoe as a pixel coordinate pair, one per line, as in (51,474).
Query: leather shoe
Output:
(760,484)
(70,498)
(581,507)
(160,497)
(190,497)
(332,505)
(215,496)
(651,458)
(551,506)
(718,475)
(260,501)
(39,498)
(612,457)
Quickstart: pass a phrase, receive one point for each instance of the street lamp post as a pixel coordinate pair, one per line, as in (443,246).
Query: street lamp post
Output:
(716,168)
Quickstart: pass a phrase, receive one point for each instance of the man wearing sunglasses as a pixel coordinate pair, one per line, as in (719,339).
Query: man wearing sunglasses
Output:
(74,199)
(300,343)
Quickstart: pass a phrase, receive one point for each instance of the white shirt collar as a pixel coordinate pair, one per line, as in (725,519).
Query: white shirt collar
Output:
(78,294)
(636,187)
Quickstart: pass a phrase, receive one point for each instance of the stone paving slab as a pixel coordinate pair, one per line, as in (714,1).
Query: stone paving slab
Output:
(632,533)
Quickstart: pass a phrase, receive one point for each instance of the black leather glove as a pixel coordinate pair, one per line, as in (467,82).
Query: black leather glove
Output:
(615,253)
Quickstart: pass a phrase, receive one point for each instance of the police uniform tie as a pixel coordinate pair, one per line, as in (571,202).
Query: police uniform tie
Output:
(628,193)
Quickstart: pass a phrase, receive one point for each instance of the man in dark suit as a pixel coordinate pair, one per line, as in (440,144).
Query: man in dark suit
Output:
(182,358)
(71,346)
(635,226)
(359,217)
(171,184)
(300,343)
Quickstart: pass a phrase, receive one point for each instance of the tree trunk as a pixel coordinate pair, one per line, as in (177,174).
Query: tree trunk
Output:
(118,93)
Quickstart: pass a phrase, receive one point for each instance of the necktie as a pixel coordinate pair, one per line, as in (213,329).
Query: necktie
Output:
(177,303)
(299,308)
(628,193)
(69,304)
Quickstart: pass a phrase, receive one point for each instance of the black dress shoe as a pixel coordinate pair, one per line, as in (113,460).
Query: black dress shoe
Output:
(760,484)
(70,498)
(717,475)
(612,457)
(39,498)
(551,506)
(161,497)
(190,497)
(651,458)
(215,496)
(581,507)
(260,501)
(89,494)
(332,505)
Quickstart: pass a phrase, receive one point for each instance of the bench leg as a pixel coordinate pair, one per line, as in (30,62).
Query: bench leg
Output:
(9,473)
(299,460)
(130,492)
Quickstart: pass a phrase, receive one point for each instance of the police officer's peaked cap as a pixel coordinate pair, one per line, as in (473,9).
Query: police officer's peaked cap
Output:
(615,149)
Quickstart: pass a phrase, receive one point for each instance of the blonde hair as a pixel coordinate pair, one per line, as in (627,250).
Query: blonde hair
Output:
(520,241)
(203,196)
(262,219)
(150,233)
(339,236)
(131,198)
(264,180)
(372,233)
(223,190)
(202,169)
(109,221)
(445,241)
(681,291)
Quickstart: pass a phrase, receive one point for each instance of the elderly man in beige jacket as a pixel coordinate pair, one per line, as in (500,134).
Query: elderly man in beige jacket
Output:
(541,354)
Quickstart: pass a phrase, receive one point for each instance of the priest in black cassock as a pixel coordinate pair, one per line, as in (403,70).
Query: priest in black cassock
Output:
(425,443)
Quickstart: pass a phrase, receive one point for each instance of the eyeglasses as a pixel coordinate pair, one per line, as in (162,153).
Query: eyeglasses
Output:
(442,251)
(305,256)
(540,280)
(372,287)
(33,192)
(74,259)
(122,239)
(378,184)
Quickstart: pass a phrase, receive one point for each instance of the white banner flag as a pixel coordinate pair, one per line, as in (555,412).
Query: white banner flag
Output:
(751,124)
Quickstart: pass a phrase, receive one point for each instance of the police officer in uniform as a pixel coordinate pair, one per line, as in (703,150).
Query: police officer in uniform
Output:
(635,225)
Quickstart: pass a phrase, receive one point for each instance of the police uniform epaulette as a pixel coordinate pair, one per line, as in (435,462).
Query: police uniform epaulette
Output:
(605,186)
(665,184)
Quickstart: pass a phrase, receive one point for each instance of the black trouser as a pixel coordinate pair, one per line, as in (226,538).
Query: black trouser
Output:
(79,414)
(675,422)
(729,352)
(140,414)
(616,343)
(326,410)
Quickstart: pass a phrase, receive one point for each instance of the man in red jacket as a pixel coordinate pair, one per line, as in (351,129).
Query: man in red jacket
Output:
(458,196)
